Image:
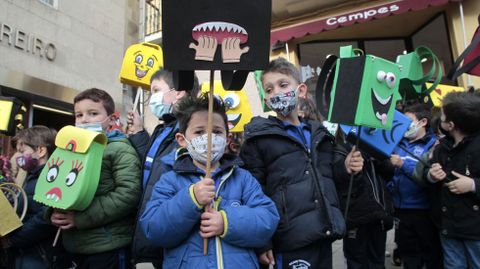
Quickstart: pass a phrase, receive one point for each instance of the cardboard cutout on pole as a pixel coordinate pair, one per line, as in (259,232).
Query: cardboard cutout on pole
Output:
(379,143)
(412,79)
(228,35)
(139,63)
(365,90)
(70,178)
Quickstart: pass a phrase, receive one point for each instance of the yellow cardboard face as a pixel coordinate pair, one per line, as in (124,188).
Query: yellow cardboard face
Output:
(440,91)
(139,63)
(238,108)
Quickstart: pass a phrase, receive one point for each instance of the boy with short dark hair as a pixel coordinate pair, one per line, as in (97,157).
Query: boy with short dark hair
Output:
(100,235)
(156,151)
(238,216)
(456,171)
(292,160)
(416,235)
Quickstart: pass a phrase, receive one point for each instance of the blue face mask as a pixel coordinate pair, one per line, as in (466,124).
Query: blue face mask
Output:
(94,126)
(157,106)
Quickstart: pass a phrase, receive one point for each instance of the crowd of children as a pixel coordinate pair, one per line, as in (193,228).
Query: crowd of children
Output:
(276,195)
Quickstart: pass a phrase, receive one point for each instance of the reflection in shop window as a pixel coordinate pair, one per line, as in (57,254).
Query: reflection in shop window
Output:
(313,55)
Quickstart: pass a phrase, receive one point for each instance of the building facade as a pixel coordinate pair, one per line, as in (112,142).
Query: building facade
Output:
(50,50)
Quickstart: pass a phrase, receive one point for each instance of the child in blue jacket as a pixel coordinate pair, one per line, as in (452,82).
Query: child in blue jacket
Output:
(229,209)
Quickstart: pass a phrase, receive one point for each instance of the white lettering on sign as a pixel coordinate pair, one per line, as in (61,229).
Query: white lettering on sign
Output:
(27,42)
(361,15)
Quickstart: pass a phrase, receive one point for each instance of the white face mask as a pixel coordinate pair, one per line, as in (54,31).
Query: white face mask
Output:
(197,148)
(93,126)
(157,106)
(412,130)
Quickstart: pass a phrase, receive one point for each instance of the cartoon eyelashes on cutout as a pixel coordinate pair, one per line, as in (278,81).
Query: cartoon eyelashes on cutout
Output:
(389,78)
(54,169)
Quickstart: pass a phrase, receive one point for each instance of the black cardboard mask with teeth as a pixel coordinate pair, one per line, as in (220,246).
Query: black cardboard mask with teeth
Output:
(227,35)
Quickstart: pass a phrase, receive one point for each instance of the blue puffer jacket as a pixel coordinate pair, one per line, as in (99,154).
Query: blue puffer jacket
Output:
(406,193)
(172,217)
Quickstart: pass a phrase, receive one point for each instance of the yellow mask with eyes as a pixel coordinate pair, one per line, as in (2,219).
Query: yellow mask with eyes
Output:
(236,103)
(139,63)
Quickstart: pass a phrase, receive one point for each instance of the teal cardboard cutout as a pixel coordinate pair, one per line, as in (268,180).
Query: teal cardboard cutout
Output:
(70,178)
(365,90)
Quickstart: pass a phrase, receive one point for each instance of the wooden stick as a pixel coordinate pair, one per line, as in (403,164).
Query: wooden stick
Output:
(208,172)
(56,237)
(137,98)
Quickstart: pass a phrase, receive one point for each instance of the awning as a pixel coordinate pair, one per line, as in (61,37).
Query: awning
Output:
(302,29)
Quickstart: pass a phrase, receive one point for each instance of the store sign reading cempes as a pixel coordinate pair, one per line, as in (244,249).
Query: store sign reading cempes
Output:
(27,42)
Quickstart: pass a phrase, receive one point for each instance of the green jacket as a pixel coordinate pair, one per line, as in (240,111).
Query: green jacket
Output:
(108,223)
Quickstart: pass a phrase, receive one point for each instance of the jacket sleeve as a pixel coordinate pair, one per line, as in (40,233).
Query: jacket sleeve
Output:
(408,167)
(170,214)
(419,170)
(140,142)
(253,162)
(33,231)
(252,224)
(123,199)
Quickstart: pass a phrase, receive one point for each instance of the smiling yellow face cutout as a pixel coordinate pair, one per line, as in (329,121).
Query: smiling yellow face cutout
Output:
(236,103)
(139,63)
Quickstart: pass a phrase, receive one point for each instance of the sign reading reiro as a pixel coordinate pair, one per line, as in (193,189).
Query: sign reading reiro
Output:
(27,42)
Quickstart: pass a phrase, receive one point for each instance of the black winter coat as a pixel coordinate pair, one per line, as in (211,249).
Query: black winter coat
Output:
(369,201)
(142,249)
(297,179)
(458,215)
(33,241)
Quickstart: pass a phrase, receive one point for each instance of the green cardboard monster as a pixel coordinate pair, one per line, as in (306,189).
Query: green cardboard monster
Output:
(70,178)
(365,90)
(412,78)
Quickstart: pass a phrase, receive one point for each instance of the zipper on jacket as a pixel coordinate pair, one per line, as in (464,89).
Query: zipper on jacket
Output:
(318,188)
(467,171)
(284,204)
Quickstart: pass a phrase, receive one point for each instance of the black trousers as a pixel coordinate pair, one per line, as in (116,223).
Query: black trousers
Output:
(314,256)
(364,246)
(418,240)
(114,259)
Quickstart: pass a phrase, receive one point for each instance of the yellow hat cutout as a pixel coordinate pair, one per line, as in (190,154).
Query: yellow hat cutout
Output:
(139,63)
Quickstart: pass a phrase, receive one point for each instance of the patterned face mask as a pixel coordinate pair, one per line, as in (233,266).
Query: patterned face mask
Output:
(197,148)
(283,103)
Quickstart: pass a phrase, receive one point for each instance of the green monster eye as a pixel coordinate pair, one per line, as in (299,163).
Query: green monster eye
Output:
(53,169)
(71,177)
(52,173)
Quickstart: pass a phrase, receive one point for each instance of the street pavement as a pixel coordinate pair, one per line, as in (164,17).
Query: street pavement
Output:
(338,259)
